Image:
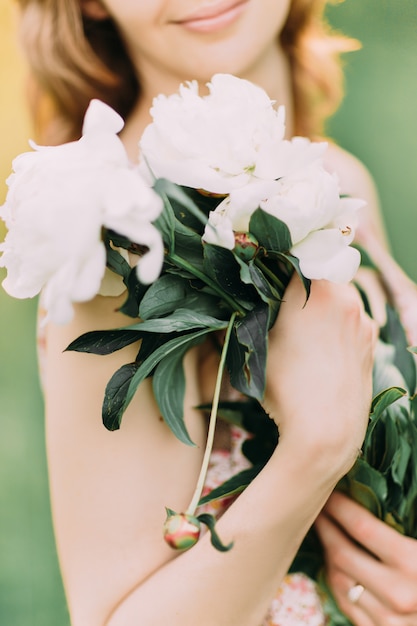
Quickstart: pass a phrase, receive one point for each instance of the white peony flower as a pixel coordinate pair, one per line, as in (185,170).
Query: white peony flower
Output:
(59,200)
(220,229)
(326,254)
(305,201)
(321,224)
(222,141)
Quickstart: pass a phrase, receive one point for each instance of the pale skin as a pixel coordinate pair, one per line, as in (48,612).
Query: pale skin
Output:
(109,490)
(386,567)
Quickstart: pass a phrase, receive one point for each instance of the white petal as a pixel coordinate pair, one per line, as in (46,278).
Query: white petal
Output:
(248,198)
(219,231)
(150,264)
(101,117)
(325,254)
(89,276)
(56,297)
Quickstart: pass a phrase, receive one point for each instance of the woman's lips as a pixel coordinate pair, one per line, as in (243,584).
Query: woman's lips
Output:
(216,17)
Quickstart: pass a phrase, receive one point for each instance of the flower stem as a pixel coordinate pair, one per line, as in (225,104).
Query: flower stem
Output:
(179,262)
(212,421)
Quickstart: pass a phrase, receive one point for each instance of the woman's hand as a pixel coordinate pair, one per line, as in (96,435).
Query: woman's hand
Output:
(361,550)
(319,376)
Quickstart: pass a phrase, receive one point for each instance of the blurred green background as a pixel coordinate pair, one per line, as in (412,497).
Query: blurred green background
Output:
(378,119)
(377,122)
(30,585)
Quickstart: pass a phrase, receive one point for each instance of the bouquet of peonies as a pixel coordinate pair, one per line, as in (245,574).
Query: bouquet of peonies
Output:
(203,236)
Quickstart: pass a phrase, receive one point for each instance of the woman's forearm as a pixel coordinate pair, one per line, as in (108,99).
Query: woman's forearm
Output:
(267,523)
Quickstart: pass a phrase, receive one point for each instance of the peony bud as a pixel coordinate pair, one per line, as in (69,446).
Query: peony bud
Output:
(181,530)
(246,246)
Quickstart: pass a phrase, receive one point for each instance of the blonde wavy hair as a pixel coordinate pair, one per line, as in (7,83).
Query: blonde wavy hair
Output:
(74,58)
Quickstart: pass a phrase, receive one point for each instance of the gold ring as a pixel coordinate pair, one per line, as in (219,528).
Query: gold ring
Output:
(355,593)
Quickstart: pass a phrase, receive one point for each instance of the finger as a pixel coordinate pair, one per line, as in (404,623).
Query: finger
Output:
(362,609)
(366,608)
(341,586)
(343,555)
(373,534)
(391,587)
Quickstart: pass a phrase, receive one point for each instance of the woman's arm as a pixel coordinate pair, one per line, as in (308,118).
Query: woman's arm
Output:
(109,490)
(392,282)
(360,549)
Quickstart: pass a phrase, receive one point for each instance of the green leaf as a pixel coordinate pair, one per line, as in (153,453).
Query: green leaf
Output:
(233,486)
(393,333)
(171,292)
(135,292)
(107,341)
(374,443)
(410,517)
(252,275)
(115,395)
(393,523)
(181,240)
(271,233)
(381,402)
(169,389)
(391,445)
(246,359)
(364,495)
(227,413)
(367,486)
(400,461)
(152,361)
(116,262)
(295,264)
(166,220)
(384,399)
(179,321)
(206,202)
(210,522)
(104,341)
(170,512)
(222,266)
(189,247)
(177,193)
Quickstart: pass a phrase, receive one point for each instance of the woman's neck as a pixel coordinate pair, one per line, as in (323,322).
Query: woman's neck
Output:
(273,75)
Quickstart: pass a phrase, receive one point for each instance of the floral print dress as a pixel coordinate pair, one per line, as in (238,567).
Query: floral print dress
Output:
(296,602)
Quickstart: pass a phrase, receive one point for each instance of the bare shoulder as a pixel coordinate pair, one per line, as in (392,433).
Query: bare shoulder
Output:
(356,181)
(355,178)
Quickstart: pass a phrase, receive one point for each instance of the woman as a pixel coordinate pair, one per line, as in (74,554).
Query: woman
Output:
(108,489)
